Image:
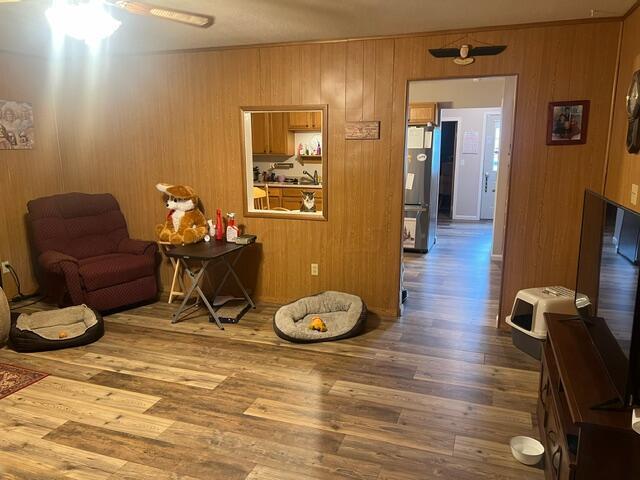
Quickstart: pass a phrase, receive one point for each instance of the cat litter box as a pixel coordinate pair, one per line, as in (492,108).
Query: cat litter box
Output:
(528,326)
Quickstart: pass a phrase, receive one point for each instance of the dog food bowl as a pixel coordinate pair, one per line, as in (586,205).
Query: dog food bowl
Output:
(526,450)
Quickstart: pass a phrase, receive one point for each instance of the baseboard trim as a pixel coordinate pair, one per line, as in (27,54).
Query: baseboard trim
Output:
(383,312)
(466,217)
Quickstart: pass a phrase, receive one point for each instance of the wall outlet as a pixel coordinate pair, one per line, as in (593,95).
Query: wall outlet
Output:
(634,194)
(314,269)
(5,267)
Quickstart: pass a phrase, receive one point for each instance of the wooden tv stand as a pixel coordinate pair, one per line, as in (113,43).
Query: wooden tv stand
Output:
(581,443)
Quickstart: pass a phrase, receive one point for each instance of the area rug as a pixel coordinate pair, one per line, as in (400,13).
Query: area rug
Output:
(14,378)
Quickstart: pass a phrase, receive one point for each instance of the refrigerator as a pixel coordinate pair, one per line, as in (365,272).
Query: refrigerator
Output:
(422,181)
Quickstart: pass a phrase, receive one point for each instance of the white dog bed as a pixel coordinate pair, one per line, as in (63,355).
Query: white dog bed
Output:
(343,314)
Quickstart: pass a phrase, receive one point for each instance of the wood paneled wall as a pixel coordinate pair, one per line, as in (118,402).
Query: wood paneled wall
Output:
(126,123)
(624,168)
(176,118)
(133,121)
(26,174)
(554,62)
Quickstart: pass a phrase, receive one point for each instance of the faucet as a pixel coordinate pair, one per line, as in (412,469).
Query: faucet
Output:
(313,177)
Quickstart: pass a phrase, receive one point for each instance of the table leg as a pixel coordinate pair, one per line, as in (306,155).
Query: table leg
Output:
(195,280)
(235,276)
(181,282)
(224,278)
(212,312)
(176,268)
(230,271)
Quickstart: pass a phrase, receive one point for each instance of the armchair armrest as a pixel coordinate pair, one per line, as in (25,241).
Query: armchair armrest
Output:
(137,247)
(52,260)
(66,266)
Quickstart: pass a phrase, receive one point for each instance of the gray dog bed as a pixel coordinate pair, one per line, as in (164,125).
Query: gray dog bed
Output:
(343,314)
(55,329)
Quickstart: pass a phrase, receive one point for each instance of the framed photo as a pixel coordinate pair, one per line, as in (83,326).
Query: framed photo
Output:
(16,125)
(567,122)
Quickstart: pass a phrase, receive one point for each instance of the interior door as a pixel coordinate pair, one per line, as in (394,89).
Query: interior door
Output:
(490,166)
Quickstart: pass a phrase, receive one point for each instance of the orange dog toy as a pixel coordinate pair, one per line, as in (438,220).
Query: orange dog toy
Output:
(317,324)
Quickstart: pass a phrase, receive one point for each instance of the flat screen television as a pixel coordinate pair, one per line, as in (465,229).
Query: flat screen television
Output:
(607,291)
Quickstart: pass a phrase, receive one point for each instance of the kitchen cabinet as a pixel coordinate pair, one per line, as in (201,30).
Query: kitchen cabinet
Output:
(280,138)
(423,113)
(260,133)
(292,198)
(305,121)
(291,203)
(270,134)
(275,197)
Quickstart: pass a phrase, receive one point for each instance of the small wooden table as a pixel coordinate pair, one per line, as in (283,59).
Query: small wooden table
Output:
(205,253)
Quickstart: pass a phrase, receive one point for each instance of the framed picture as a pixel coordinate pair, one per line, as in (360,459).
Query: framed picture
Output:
(567,122)
(16,125)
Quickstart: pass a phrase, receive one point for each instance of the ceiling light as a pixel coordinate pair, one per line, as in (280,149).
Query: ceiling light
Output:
(87,21)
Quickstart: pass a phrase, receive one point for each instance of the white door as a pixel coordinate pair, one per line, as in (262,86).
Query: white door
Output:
(490,166)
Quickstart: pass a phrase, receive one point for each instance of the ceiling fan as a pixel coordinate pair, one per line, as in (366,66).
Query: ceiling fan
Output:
(464,55)
(146,9)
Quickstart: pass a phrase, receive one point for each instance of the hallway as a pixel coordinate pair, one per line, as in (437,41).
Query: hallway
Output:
(456,281)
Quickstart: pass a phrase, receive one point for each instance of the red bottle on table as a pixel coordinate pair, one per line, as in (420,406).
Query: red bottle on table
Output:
(219,226)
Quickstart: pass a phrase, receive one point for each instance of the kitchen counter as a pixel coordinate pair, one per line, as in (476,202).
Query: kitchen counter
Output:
(285,185)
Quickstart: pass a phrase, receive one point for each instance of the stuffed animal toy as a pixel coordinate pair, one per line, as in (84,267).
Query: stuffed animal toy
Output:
(185,222)
(317,324)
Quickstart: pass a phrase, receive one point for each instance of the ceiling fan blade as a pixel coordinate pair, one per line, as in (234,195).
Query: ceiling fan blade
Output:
(488,50)
(444,52)
(140,8)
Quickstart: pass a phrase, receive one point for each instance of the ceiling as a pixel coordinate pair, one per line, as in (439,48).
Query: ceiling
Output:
(23,27)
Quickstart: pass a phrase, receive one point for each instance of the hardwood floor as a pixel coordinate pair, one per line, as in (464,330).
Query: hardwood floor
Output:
(456,280)
(435,394)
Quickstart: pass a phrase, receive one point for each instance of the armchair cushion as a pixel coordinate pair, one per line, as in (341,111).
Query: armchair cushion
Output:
(77,224)
(114,269)
(137,247)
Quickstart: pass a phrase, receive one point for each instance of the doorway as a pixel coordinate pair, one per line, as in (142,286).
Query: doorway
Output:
(447,168)
(461,132)
(490,164)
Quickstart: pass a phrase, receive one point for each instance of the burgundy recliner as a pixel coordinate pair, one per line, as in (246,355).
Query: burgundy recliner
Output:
(85,253)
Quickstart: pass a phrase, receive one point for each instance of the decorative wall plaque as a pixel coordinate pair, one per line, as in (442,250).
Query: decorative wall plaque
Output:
(362,130)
